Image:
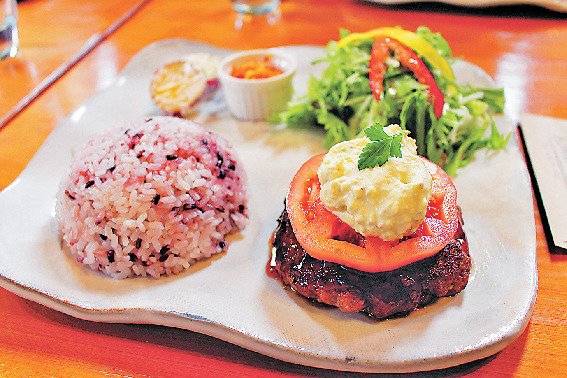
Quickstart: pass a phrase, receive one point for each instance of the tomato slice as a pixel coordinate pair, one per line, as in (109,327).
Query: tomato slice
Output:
(325,237)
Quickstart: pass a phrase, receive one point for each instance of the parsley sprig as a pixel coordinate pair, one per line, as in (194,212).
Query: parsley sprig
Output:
(381,147)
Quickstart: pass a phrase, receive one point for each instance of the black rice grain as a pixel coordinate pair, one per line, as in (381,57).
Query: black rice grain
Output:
(156,198)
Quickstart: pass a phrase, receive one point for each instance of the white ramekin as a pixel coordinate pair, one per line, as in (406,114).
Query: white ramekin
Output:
(256,99)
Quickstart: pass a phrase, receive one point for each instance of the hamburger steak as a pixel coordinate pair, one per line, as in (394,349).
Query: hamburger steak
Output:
(380,295)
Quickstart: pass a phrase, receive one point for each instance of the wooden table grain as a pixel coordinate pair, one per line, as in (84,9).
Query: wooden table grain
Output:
(521,47)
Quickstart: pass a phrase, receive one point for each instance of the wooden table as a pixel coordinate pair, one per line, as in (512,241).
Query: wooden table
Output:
(521,47)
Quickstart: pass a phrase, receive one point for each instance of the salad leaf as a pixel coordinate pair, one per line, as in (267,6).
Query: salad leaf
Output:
(436,40)
(340,101)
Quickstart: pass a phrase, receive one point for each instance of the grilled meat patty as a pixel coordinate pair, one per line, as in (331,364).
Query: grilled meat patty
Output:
(382,294)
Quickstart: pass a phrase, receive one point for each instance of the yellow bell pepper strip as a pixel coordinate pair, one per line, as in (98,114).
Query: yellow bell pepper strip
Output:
(410,39)
(325,237)
(408,59)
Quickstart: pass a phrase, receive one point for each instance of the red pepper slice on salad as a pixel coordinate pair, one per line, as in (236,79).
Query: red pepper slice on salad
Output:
(408,38)
(325,237)
(408,59)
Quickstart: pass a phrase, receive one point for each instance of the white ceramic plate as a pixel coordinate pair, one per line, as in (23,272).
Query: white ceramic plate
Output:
(230,296)
(556,5)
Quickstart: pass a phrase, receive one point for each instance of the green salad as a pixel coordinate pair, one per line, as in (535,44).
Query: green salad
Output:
(448,128)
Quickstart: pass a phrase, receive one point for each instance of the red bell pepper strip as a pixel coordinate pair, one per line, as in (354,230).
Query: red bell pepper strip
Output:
(408,59)
(413,40)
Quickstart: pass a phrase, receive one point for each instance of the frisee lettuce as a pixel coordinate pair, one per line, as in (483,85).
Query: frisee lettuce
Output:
(341,102)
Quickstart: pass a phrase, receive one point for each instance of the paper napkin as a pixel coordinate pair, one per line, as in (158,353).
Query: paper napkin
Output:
(546,143)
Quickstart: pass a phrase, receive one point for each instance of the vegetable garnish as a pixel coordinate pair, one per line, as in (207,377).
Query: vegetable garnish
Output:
(325,237)
(382,50)
(413,40)
(380,149)
(448,128)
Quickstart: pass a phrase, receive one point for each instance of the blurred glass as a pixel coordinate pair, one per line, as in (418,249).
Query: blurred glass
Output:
(8,28)
(255,6)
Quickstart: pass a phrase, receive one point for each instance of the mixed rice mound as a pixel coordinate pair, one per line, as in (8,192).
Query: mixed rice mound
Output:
(151,198)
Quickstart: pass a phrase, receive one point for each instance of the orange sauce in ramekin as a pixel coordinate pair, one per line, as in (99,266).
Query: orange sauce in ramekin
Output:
(256,69)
